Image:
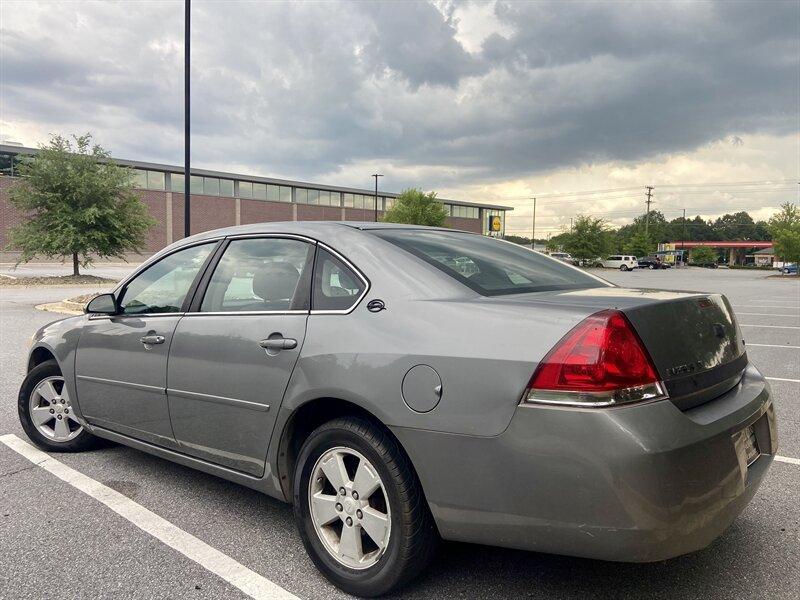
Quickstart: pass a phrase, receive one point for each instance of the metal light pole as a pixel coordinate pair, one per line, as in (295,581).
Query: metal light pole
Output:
(533,229)
(376,175)
(187,8)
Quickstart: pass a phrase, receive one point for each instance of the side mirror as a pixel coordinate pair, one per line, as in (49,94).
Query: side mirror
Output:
(104,304)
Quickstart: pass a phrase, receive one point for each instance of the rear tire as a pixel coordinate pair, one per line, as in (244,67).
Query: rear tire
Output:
(408,537)
(45,408)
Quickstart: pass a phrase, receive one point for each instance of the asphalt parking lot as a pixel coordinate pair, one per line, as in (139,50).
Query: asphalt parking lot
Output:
(57,542)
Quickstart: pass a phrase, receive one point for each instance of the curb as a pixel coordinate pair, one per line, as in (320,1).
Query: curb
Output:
(65,307)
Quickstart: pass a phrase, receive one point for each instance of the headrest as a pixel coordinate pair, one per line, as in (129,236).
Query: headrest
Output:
(275,281)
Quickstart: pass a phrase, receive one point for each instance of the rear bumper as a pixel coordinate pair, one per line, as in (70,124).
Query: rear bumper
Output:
(638,484)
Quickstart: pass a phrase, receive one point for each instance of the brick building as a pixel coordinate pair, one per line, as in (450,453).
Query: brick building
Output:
(221,199)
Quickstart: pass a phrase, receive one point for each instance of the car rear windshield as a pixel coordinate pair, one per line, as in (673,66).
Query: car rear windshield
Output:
(488,266)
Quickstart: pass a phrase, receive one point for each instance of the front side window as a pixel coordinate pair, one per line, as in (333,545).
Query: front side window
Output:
(260,274)
(489,267)
(163,287)
(336,287)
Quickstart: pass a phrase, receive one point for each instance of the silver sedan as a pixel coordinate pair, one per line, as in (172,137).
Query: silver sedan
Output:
(400,385)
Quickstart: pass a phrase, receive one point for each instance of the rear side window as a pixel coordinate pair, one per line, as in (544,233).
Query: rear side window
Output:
(259,274)
(490,267)
(336,286)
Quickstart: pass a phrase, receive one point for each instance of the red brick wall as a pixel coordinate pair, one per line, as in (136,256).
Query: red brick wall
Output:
(212,212)
(310,212)
(260,211)
(156,203)
(208,212)
(473,225)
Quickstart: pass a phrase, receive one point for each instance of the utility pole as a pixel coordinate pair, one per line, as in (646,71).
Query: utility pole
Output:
(187,177)
(649,189)
(683,242)
(533,229)
(376,175)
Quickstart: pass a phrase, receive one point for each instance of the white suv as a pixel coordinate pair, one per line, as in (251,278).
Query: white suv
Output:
(623,263)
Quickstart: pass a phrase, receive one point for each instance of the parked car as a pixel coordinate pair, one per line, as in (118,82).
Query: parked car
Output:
(650,262)
(596,262)
(621,262)
(790,268)
(398,384)
(563,257)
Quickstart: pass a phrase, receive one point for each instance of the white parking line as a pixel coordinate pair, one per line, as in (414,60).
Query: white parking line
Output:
(764,305)
(782,379)
(786,459)
(766,314)
(769,326)
(211,559)
(773,346)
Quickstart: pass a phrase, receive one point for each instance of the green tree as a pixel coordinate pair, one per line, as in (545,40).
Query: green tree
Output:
(703,255)
(78,204)
(640,244)
(590,238)
(415,207)
(736,226)
(785,229)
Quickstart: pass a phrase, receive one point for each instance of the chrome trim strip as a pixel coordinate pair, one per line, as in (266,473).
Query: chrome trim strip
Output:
(233,313)
(294,236)
(622,397)
(359,274)
(218,400)
(136,316)
(124,384)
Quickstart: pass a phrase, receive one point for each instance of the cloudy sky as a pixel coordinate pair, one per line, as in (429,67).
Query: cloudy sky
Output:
(486,101)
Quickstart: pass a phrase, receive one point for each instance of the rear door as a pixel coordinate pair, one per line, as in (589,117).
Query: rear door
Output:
(234,351)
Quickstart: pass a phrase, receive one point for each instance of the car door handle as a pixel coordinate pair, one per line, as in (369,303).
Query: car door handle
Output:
(278,343)
(152,340)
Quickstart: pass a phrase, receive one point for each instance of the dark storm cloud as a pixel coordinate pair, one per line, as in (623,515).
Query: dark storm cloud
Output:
(303,90)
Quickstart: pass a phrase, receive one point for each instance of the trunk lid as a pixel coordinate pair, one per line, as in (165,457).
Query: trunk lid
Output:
(693,338)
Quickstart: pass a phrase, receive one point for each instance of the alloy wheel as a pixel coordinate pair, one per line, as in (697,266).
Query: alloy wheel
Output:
(349,507)
(51,412)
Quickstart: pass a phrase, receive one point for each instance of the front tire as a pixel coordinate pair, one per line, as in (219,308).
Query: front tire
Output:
(360,509)
(624,268)
(45,411)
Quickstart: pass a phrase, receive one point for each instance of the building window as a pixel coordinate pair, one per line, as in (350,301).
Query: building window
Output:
(348,200)
(324,198)
(285,194)
(176,182)
(139,178)
(196,185)
(260,191)
(245,189)
(313,196)
(389,203)
(156,180)
(273,193)
(211,186)
(226,187)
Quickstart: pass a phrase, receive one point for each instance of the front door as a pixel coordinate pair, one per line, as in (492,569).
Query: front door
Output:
(233,354)
(121,360)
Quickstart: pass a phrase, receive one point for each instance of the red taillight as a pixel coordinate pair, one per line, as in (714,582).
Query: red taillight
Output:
(602,355)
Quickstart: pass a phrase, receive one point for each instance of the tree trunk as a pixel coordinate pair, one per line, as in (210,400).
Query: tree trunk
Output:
(75,265)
